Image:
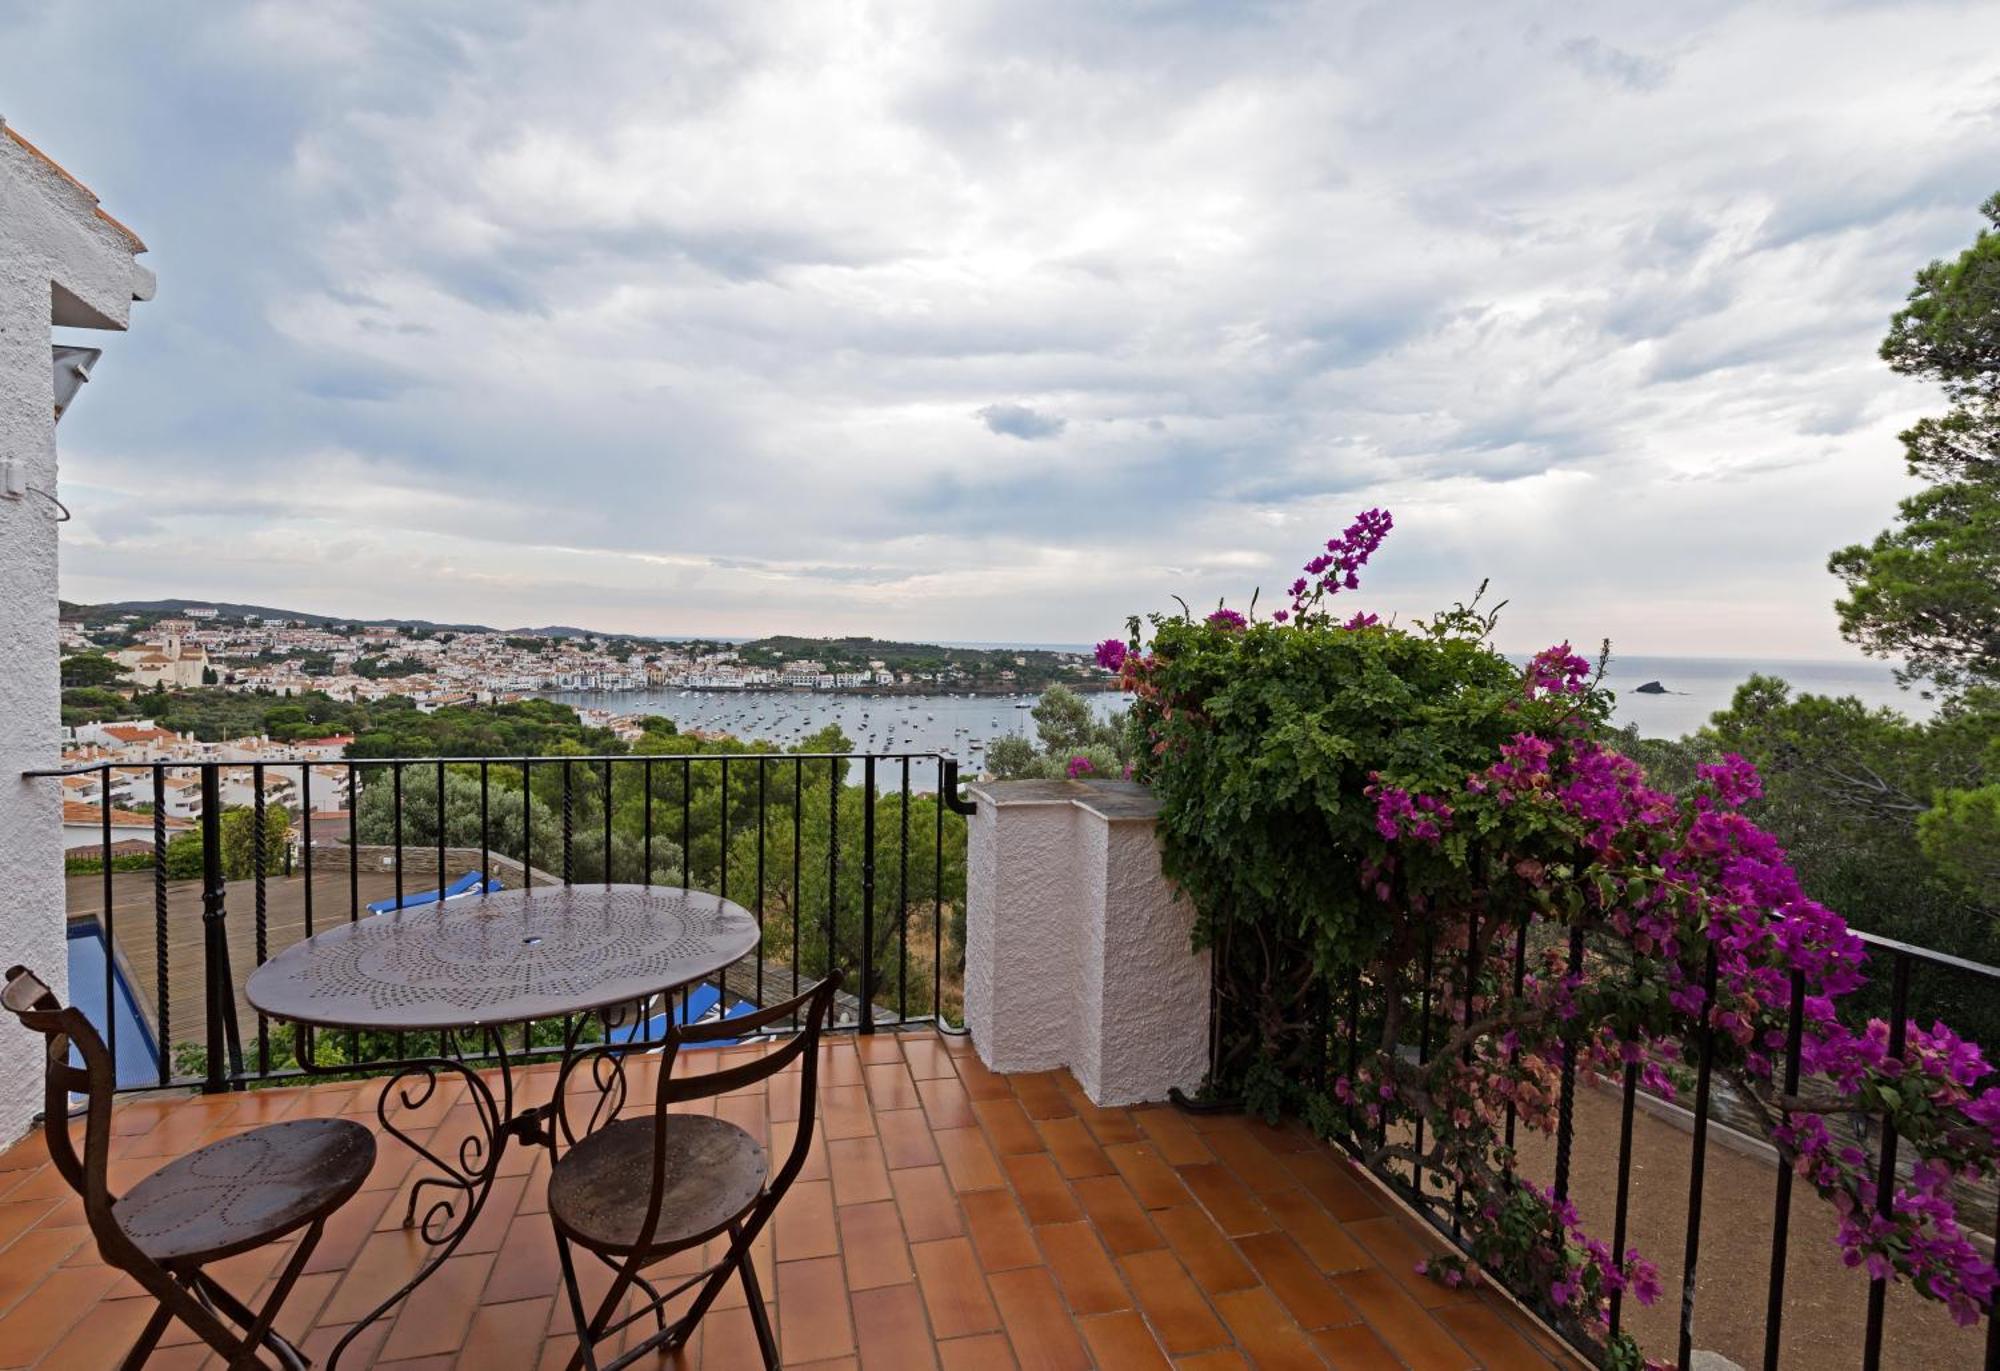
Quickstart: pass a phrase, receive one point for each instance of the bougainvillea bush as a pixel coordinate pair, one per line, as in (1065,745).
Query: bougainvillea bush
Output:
(1385,828)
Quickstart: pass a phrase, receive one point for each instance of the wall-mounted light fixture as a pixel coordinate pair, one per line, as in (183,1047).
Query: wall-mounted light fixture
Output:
(73,366)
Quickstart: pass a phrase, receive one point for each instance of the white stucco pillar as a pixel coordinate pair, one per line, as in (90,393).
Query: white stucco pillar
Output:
(1077,954)
(61,262)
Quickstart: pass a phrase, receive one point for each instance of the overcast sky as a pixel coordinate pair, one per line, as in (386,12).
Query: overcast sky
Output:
(1003,321)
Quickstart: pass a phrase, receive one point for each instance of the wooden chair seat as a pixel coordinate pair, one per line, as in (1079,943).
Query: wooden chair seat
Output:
(713,1172)
(246,1190)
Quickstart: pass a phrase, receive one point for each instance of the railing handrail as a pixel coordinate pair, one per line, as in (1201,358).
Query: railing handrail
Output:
(511,758)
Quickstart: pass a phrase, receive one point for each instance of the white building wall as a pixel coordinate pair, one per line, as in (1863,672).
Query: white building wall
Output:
(1077,954)
(59,262)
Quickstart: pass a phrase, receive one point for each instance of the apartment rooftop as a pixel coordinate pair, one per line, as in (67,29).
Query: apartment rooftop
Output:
(949,1217)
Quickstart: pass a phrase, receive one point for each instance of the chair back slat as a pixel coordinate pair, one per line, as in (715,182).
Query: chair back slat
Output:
(65,1027)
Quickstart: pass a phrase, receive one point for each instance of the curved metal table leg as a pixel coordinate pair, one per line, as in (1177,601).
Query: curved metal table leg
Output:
(463,1177)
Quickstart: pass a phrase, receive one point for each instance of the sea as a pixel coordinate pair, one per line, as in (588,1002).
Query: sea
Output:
(963,726)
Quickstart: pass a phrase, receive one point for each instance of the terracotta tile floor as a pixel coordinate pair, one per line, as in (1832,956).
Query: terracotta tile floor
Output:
(948,1217)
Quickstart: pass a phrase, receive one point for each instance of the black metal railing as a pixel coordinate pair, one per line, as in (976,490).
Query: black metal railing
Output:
(1751,1249)
(798,839)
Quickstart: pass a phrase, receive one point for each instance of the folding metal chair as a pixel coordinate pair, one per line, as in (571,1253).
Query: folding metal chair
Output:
(231,1196)
(635,1191)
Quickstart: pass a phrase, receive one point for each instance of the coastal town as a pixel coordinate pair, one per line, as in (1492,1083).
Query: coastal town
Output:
(122,671)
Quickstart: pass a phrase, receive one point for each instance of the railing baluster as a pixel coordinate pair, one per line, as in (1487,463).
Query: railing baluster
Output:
(722,846)
(1698,1162)
(485,833)
(306,841)
(161,969)
(763,818)
(646,821)
(903,908)
(867,893)
(1423,1058)
(223,1042)
(257,861)
(833,861)
(687,799)
(353,876)
(1781,1217)
(1465,1053)
(396,804)
(568,823)
(1885,1175)
(937,901)
(1624,1199)
(107,924)
(607,821)
(798,889)
(527,842)
(441,881)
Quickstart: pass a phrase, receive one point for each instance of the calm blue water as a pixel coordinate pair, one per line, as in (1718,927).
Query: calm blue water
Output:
(962,726)
(137,1059)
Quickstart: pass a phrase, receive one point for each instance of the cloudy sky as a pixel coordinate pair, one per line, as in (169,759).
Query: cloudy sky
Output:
(1002,321)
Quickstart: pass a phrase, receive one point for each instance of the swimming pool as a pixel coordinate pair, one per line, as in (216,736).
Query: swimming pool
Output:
(124,1029)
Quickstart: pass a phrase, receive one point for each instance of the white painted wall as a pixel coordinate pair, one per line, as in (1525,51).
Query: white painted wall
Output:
(60,262)
(1077,955)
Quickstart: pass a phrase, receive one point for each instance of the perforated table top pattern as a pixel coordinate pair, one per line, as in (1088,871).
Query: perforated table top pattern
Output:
(503,958)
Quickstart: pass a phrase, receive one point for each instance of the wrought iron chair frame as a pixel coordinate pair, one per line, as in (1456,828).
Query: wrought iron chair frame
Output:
(607,1064)
(183,1289)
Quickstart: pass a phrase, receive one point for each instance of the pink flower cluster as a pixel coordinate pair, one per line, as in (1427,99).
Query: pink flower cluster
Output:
(1339,567)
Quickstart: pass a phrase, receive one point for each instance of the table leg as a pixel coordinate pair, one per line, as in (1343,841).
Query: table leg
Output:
(452,1198)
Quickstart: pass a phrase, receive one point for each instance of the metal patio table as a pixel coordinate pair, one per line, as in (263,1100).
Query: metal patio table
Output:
(464,971)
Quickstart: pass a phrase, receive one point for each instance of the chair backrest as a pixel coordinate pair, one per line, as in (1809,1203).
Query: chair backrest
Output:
(812,1011)
(64,1027)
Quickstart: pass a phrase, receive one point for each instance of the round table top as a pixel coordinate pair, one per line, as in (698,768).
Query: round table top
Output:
(503,958)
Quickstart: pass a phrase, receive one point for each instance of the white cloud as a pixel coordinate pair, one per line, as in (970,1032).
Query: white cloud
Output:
(727,317)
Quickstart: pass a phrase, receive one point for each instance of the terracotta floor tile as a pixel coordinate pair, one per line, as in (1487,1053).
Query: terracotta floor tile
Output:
(906,1139)
(925,1199)
(1232,1206)
(804,1222)
(17,1218)
(1170,1131)
(1041,1329)
(1272,1341)
(844,1111)
(890,1330)
(1082,1269)
(1042,1094)
(999,1234)
(1008,1125)
(926,1057)
(1290,1275)
(525,1266)
(1043,1193)
(968,1159)
(32,1256)
(1153,1182)
(1174,1305)
(954,1292)
(873,1048)
(980,1083)
(1491,1339)
(1210,1257)
(1109,1126)
(46,1314)
(102,1340)
(1119,1219)
(1398,1250)
(1074,1149)
(1335,1185)
(946,1102)
(871,1243)
(813,1317)
(1314,1230)
(890,1086)
(1122,1340)
(1242,1152)
(1223,1360)
(988,1352)
(1355,1346)
(1401,1322)
(505,1334)
(434,1319)
(860,1176)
